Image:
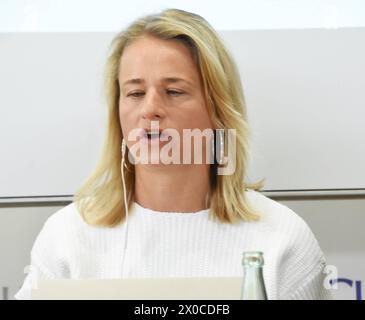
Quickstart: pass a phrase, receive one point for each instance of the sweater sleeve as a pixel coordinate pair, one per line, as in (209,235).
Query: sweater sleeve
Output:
(303,265)
(44,263)
(312,287)
(37,271)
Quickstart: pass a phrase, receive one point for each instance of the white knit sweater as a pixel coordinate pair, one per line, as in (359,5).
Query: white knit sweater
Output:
(172,244)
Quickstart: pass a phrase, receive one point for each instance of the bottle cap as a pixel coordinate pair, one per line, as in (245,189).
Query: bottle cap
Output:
(253,259)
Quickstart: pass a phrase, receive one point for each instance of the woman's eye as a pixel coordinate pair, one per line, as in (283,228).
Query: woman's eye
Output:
(173,92)
(135,94)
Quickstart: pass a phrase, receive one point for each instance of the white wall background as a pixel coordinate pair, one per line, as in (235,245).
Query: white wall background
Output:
(112,15)
(337,221)
(303,88)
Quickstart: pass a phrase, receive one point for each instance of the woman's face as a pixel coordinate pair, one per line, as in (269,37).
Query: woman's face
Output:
(168,89)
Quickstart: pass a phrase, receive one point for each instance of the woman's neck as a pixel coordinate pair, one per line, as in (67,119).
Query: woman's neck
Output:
(179,188)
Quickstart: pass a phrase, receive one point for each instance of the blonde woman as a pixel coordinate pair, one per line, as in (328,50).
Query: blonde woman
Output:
(142,219)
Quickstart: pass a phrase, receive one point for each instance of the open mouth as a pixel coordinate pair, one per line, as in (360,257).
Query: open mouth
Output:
(152,135)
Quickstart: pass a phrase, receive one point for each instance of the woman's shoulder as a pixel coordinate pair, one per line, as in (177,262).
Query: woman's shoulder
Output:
(63,217)
(273,212)
(280,221)
(60,224)
(285,225)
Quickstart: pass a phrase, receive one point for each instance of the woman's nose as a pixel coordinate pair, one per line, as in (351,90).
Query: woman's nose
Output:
(152,106)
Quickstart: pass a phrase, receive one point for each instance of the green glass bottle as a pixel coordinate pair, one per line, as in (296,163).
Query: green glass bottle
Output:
(253,285)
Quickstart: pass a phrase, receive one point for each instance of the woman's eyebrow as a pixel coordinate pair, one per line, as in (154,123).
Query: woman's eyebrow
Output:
(166,80)
(176,79)
(133,81)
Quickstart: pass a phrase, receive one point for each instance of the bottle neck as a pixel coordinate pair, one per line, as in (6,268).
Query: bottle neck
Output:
(252,272)
(253,287)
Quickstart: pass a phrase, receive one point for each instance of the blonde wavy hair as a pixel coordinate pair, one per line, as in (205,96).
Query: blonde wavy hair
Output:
(100,199)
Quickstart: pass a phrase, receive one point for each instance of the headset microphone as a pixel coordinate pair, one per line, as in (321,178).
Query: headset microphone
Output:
(124,149)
